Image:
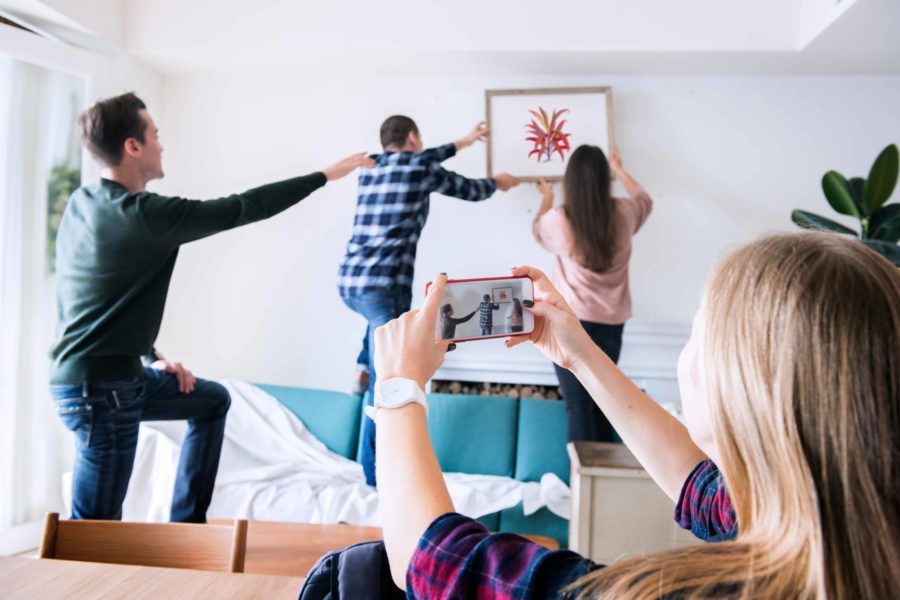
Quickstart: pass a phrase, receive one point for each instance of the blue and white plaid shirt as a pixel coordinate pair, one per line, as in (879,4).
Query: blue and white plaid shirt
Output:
(390,212)
(486,318)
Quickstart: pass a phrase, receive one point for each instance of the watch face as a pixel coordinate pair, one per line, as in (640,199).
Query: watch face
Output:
(397,392)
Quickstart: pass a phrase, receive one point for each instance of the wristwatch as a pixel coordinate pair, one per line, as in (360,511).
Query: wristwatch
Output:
(396,392)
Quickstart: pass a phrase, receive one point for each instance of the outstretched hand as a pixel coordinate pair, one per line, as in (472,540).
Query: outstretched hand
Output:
(505,181)
(615,160)
(546,189)
(479,133)
(557,332)
(405,347)
(347,165)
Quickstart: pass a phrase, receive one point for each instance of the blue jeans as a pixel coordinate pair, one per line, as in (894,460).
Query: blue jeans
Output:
(105,417)
(378,307)
(363,357)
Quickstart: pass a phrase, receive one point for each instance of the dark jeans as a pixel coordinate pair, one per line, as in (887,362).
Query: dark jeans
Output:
(106,416)
(586,421)
(378,307)
(487,329)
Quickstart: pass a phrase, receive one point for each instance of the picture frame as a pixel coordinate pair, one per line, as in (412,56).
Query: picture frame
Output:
(502,295)
(532,145)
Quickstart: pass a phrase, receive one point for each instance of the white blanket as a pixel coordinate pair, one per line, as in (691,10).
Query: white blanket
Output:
(273,468)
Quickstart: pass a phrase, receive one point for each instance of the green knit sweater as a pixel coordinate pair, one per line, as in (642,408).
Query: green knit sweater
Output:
(115,252)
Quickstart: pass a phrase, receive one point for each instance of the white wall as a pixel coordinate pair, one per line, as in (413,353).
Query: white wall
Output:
(817,15)
(726,159)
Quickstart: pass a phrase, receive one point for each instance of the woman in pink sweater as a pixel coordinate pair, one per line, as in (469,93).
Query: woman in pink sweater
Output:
(590,236)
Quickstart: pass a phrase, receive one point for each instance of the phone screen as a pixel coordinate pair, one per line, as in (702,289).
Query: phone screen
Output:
(473,309)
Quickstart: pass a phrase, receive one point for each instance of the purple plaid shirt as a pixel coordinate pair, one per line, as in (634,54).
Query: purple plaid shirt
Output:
(458,558)
(704,506)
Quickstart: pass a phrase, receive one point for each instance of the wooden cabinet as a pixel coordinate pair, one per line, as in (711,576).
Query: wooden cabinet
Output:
(618,511)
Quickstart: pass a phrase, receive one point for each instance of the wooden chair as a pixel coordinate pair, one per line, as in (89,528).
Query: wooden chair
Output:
(178,545)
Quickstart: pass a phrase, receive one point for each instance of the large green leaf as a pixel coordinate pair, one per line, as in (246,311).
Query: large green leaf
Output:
(886,249)
(837,191)
(857,187)
(808,220)
(882,177)
(885,223)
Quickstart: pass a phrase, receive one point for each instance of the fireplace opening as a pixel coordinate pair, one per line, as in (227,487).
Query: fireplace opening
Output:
(487,388)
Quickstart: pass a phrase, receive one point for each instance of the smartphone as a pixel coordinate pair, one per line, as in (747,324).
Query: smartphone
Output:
(480,309)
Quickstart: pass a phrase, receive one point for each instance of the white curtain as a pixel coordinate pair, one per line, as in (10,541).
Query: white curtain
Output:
(36,133)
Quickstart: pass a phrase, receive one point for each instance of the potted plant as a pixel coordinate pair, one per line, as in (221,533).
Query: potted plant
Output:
(864,199)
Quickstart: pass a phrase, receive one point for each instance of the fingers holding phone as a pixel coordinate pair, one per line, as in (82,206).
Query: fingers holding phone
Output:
(557,332)
(406,347)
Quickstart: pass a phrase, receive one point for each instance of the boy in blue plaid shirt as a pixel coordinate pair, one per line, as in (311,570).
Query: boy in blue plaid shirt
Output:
(486,317)
(376,273)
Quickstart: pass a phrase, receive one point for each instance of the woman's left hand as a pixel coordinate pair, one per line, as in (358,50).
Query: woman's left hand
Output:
(405,347)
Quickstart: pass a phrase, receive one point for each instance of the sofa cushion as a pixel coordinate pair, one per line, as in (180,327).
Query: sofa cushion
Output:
(332,417)
(474,434)
(541,445)
(491,521)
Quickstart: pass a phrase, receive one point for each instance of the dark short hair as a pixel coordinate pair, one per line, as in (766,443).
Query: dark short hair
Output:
(106,125)
(395,130)
(487,297)
(446,309)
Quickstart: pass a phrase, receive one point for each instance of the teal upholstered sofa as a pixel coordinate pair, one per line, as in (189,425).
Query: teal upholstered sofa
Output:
(471,434)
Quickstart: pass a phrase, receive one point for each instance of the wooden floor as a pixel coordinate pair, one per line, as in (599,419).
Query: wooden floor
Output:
(292,549)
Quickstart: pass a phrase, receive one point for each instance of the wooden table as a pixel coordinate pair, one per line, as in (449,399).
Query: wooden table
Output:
(32,579)
(293,548)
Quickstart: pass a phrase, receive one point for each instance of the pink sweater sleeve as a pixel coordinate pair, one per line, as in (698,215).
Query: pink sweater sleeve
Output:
(550,231)
(641,205)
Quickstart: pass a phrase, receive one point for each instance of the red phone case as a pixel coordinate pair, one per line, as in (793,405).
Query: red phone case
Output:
(487,337)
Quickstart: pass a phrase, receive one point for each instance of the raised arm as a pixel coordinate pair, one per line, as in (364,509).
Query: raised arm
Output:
(615,165)
(465,318)
(411,489)
(179,220)
(546,190)
(658,440)
(446,182)
(478,134)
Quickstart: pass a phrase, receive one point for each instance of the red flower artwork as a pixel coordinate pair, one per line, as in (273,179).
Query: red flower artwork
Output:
(546,133)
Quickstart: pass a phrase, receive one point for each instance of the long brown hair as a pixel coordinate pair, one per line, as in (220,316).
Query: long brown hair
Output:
(590,208)
(802,356)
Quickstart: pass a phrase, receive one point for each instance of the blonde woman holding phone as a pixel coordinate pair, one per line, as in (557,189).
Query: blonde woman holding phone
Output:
(791,389)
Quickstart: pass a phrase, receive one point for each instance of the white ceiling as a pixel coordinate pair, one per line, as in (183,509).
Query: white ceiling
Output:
(510,36)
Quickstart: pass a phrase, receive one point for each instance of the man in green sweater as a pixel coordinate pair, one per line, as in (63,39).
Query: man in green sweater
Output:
(115,252)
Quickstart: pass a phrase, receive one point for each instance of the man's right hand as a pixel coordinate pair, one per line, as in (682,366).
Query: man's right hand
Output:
(349,164)
(186,379)
(505,181)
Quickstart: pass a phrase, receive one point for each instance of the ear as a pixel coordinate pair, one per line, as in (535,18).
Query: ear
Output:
(132,147)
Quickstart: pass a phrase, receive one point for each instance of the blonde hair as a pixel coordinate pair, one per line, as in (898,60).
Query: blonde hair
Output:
(802,355)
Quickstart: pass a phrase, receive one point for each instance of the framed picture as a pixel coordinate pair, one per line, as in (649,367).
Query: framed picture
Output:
(533,132)
(501,295)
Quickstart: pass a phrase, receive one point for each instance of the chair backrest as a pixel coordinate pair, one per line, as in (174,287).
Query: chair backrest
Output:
(176,545)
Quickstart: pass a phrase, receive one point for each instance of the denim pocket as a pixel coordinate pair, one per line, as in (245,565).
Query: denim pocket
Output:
(78,417)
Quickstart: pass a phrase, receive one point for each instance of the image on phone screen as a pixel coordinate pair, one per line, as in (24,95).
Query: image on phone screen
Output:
(473,309)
